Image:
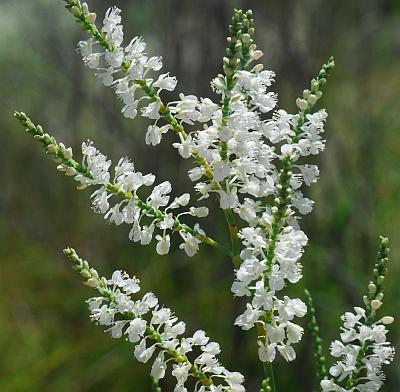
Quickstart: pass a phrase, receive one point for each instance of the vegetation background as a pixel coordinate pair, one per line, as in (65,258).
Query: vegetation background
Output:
(47,342)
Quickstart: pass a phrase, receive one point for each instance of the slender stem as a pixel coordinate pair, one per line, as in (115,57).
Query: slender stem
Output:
(233,232)
(46,140)
(270,370)
(79,13)
(319,358)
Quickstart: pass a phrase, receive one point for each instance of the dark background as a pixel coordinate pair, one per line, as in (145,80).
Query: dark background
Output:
(47,342)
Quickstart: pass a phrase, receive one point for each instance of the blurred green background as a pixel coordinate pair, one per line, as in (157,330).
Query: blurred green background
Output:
(47,342)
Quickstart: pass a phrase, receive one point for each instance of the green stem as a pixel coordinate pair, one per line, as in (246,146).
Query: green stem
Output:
(233,232)
(47,141)
(270,371)
(316,339)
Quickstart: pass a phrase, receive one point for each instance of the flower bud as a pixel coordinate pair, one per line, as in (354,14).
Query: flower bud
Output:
(91,18)
(51,149)
(387,320)
(85,8)
(376,304)
(256,54)
(86,274)
(372,288)
(301,104)
(92,282)
(312,99)
(68,153)
(359,311)
(70,171)
(75,11)
(257,68)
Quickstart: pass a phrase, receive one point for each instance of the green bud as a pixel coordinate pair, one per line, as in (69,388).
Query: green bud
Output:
(372,288)
(85,274)
(85,8)
(314,85)
(245,38)
(312,99)
(380,280)
(76,11)
(51,149)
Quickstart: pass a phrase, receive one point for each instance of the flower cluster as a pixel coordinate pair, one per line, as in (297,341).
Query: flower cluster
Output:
(249,154)
(126,69)
(363,348)
(156,332)
(242,156)
(155,212)
(273,242)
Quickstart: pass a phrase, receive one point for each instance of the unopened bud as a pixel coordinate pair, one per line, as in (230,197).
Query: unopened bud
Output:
(92,282)
(75,11)
(359,311)
(314,85)
(70,171)
(376,304)
(68,153)
(85,8)
(51,149)
(246,38)
(312,99)
(91,18)
(301,104)
(387,320)
(257,68)
(256,54)
(380,280)
(372,288)
(86,274)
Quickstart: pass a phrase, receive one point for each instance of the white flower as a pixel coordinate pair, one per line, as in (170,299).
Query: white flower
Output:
(143,354)
(266,352)
(185,147)
(159,367)
(136,330)
(165,82)
(190,245)
(163,244)
(154,134)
